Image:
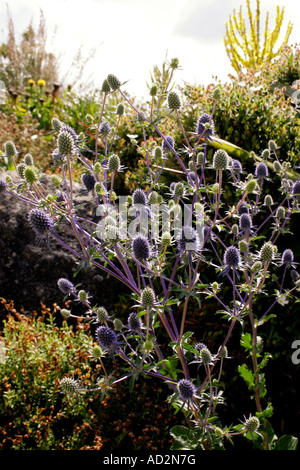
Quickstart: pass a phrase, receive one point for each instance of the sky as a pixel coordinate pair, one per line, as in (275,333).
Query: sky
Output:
(129,37)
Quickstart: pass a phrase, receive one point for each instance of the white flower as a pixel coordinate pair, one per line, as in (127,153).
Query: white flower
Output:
(282,300)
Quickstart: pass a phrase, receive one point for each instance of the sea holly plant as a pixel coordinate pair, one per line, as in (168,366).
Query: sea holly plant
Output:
(173,247)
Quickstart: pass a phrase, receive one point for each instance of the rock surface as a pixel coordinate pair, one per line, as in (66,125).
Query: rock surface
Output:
(29,270)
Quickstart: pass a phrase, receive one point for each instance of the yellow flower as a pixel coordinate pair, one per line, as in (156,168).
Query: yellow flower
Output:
(31,82)
(41,83)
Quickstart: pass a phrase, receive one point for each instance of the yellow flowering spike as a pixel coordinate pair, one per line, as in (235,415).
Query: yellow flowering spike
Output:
(243,47)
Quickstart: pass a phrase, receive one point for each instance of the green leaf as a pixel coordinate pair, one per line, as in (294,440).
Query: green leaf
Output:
(246,341)
(184,438)
(286,443)
(247,375)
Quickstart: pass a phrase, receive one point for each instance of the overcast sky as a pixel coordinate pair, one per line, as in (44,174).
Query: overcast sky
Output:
(131,36)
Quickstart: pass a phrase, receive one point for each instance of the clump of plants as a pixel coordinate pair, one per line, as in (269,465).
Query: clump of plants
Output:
(175,246)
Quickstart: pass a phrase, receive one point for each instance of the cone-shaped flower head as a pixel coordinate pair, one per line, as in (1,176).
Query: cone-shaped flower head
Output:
(220,160)
(65,286)
(107,338)
(139,197)
(40,221)
(186,389)
(134,323)
(89,181)
(140,247)
(189,239)
(113,82)
(287,257)
(205,125)
(3,185)
(173,100)
(261,171)
(165,146)
(232,257)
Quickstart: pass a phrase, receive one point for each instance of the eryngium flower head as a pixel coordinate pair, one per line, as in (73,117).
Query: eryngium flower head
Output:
(232,257)
(173,100)
(261,171)
(65,286)
(28,159)
(296,188)
(120,109)
(220,160)
(267,252)
(243,209)
(105,86)
(3,185)
(102,314)
(134,323)
(69,386)
(287,257)
(113,81)
(186,389)
(252,424)
(140,247)
(114,163)
(188,240)
(139,197)
(170,140)
(40,221)
(56,124)
(104,128)
(107,338)
(236,166)
(89,181)
(147,297)
(65,143)
(245,222)
(205,125)
(205,356)
(10,149)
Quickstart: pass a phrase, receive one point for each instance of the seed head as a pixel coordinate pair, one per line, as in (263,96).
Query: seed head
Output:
(147,297)
(120,109)
(277,166)
(10,149)
(251,186)
(223,352)
(65,143)
(268,200)
(102,315)
(205,356)
(65,313)
(280,213)
(31,174)
(173,100)
(113,82)
(40,221)
(252,424)
(69,385)
(153,90)
(56,124)
(28,159)
(114,163)
(140,247)
(220,160)
(267,252)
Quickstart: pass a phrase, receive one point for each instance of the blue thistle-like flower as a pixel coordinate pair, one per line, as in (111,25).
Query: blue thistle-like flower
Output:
(205,126)
(232,257)
(134,323)
(40,221)
(287,257)
(165,146)
(140,247)
(186,391)
(261,171)
(236,167)
(245,223)
(104,128)
(3,185)
(89,181)
(65,286)
(139,197)
(296,189)
(107,338)
(243,209)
